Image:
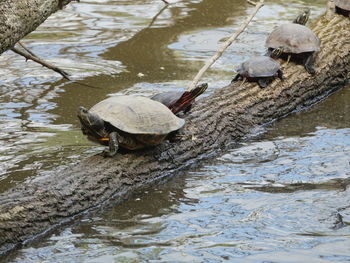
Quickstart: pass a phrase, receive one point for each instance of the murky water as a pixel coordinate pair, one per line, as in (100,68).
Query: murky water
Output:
(276,198)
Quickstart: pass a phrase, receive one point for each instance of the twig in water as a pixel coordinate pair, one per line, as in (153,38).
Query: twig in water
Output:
(30,55)
(227,43)
(251,2)
(165,2)
(41,62)
(158,14)
(26,49)
(86,85)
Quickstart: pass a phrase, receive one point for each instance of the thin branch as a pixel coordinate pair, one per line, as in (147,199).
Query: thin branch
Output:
(251,2)
(26,49)
(41,62)
(158,14)
(35,58)
(330,8)
(228,42)
(165,2)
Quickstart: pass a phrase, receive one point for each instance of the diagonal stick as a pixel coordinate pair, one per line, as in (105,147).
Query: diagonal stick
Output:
(41,62)
(227,43)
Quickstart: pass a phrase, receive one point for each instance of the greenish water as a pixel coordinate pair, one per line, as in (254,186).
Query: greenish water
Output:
(275,198)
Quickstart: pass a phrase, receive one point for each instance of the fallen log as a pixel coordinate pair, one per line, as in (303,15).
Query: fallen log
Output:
(215,122)
(20,17)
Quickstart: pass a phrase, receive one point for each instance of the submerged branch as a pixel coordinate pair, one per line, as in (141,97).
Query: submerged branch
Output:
(35,58)
(42,62)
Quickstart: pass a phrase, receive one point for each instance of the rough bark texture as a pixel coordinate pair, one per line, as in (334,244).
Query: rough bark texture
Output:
(20,17)
(216,121)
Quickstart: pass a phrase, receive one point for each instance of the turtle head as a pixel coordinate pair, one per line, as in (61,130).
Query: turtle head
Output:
(277,52)
(91,124)
(203,86)
(303,17)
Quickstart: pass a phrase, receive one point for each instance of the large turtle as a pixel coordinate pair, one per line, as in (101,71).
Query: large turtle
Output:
(262,69)
(300,42)
(178,101)
(131,122)
(342,7)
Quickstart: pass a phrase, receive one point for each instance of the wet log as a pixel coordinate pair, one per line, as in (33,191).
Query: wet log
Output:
(20,17)
(214,123)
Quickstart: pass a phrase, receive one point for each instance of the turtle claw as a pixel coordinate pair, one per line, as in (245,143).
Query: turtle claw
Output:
(263,83)
(309,64)
(236,78)
(280,75)
(107,154)
(310,70)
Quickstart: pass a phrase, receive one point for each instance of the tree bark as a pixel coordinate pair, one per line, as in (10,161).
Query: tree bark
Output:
(20,17)
(215,122)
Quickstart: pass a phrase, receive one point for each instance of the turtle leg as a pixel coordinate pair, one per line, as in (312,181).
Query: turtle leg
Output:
(237,77)
(264,82)
(113,145)
(309,63)
(280,74)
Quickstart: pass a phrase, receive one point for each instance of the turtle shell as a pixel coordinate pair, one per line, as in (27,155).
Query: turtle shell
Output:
(137,115)
(294,38)
(343,4)
(261,66)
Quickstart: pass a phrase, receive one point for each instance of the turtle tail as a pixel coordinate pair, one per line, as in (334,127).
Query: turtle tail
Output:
(185,101)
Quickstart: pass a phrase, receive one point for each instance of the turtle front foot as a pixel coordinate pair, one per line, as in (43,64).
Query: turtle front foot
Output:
(236,78)
(310,69)
(113,146)
(108,154)
(175,137)
(309,64)
(264,82)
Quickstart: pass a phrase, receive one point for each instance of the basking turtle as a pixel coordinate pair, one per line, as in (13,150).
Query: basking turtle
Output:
(300,42)
(342,7)
(262,69)
(131,122)
(178,101)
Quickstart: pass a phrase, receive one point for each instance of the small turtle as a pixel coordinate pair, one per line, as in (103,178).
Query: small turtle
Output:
(300,42)
(342,7)
(178,101)
(131,122)
(262,69)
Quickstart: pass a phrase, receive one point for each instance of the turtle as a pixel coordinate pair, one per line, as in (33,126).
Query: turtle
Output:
(129,122)
(300,42)
(342,7)
(262,69)
(180,101)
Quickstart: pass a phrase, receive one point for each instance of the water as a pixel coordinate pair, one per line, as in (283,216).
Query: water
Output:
(275,198)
